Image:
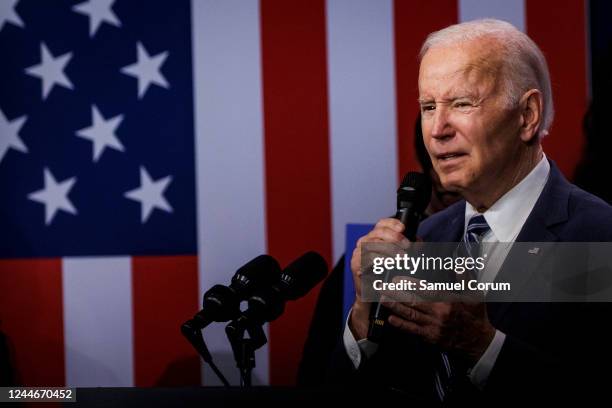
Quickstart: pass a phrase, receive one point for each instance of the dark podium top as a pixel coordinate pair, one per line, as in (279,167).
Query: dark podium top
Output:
(230,397)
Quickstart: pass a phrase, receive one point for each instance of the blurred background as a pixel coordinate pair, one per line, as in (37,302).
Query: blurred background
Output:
(149,148)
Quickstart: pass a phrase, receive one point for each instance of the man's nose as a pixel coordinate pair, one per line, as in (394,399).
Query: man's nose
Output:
(441,128)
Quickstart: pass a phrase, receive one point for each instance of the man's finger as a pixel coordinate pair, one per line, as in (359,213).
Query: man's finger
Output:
(408,312)
(415,301)
(406,325)
(385,234)
(391,223)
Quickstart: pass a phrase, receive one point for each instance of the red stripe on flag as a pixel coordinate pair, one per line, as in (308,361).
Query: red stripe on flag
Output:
(31,317)
(165,294)
(297,157)
(560,31)
(413,20)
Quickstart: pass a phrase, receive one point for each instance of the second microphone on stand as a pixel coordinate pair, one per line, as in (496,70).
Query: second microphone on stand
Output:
(296,280)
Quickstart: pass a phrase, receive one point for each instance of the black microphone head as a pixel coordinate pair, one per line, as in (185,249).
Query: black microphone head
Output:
(415,189)
(263,271)
(222,303)
(302,275)
(268,303)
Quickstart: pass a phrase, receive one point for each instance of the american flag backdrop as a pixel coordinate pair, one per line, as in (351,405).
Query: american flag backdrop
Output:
(150,148)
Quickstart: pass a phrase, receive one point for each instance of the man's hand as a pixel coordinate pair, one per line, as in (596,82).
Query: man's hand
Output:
(458,326)
(386,230)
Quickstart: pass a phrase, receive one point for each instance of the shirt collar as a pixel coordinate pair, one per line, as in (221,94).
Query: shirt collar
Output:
(514,206)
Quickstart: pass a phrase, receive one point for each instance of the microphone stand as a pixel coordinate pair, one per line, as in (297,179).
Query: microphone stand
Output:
(244,347)
(193,333)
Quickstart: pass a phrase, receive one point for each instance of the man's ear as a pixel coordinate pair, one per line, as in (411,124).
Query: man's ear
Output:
(531,114)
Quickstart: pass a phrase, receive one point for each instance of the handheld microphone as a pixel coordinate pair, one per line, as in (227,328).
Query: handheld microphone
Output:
(268,303)
(413,196)
(222,303)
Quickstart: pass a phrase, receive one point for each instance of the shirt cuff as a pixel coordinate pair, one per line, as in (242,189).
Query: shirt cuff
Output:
(356,349)
(481,371)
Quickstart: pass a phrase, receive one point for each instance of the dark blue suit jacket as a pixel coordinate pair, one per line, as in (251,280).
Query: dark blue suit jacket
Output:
(552,351)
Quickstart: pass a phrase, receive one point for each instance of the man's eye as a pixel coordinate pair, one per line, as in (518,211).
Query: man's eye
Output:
(462,104)
(428,108)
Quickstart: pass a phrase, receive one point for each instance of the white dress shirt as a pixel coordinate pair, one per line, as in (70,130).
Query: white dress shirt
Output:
(506,218)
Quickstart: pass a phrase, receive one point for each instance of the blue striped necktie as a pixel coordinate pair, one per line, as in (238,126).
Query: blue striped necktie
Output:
(477,227)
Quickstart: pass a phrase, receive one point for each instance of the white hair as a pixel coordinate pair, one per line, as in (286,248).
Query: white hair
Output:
(523,62)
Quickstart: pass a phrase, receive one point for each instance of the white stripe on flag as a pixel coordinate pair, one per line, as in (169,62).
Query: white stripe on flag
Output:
(512,11)
(98,329)
(362,113)
(229,155)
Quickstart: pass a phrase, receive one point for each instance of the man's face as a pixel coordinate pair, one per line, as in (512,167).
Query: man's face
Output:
(471,134)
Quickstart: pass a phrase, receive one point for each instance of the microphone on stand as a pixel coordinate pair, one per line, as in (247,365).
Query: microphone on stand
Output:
(267,304)
(222,303)
(296,280)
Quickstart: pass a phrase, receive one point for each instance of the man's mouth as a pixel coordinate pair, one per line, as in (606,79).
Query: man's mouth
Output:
(450,156)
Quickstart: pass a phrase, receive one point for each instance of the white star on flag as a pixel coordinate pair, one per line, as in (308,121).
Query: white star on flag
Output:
(98,11)
(54,196)
(147,70)
(51,70)
(8,13)
(9,137)
(102,133)
(150,194)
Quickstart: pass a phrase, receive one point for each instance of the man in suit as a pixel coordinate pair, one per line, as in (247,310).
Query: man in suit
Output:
(328,320)
(486,103)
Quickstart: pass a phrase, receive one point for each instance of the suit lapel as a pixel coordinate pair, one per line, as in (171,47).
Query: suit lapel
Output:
(550,210)
(454,229)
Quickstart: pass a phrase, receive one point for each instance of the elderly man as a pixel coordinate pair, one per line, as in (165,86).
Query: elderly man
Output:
(486,103)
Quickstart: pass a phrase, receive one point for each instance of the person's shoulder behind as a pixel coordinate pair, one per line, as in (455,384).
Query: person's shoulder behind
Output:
(589,217)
